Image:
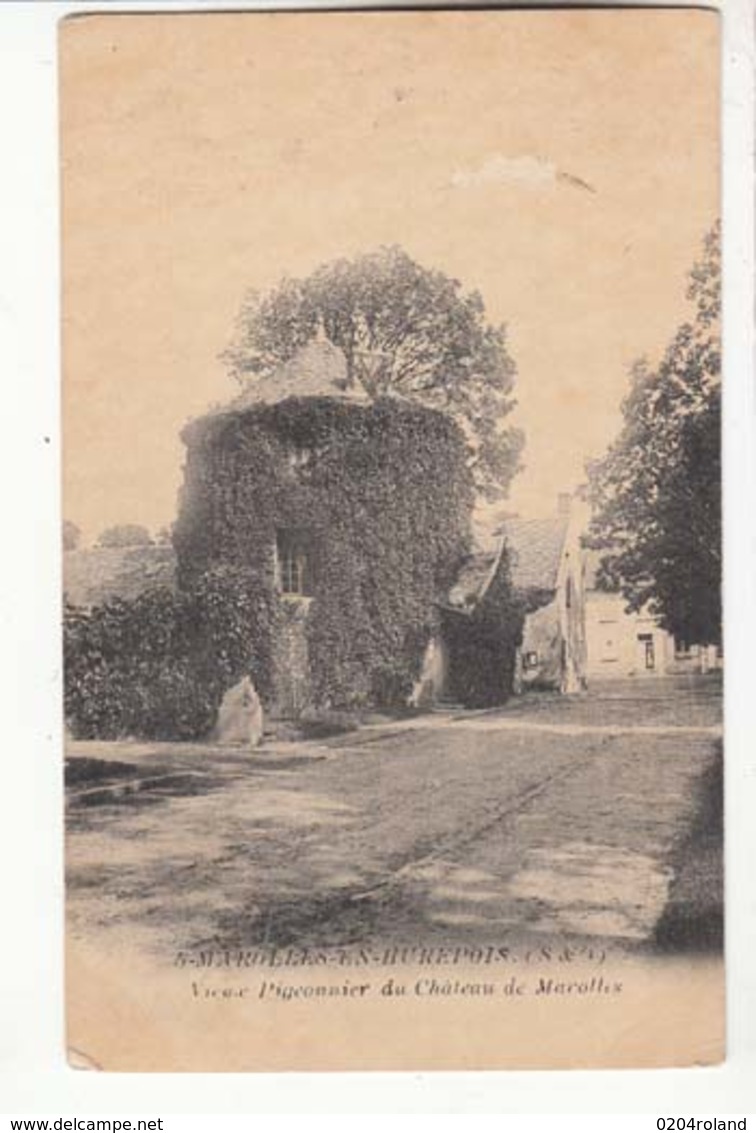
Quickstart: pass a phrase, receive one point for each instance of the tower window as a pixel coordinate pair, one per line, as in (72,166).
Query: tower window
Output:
(294,561)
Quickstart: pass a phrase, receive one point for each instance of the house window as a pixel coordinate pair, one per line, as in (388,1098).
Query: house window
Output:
(568,593)
(530,660)
(294,555)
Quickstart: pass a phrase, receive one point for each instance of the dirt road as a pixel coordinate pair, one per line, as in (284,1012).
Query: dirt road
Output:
(552,818)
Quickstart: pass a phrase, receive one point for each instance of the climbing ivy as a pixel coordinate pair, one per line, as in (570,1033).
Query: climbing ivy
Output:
(385,496)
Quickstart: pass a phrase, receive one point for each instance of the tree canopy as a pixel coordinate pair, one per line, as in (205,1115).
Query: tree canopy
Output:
(657,492)
(405,330)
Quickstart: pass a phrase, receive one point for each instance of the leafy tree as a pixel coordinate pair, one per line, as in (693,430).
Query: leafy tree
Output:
(71,535)
(125,535)
(405,330)
(657,492)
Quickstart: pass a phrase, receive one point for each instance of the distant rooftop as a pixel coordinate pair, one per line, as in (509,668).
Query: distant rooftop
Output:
(535,547)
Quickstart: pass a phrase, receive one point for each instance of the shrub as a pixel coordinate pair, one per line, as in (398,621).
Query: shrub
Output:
(157,667)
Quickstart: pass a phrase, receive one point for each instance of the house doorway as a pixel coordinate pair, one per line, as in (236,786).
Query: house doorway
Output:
(646,653)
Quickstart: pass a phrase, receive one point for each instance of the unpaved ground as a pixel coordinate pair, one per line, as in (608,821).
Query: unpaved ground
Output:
(552,818)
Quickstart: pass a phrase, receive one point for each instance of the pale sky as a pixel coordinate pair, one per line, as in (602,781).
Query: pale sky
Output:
(563,163)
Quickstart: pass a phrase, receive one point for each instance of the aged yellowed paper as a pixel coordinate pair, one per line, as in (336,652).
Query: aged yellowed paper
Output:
(393,652)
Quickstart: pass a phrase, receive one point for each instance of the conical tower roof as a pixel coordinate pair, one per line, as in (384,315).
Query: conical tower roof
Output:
(318,369)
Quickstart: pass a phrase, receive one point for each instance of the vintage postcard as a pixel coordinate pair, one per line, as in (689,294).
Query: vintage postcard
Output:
(392,541)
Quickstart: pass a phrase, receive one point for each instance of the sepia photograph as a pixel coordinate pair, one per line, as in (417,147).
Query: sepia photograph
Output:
(393,651)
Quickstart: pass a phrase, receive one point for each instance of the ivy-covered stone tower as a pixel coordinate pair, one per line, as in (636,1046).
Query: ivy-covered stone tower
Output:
(343,522)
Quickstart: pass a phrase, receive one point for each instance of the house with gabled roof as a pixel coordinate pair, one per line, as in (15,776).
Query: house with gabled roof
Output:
(547,573)
(542,560)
